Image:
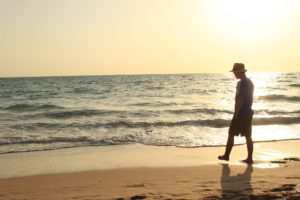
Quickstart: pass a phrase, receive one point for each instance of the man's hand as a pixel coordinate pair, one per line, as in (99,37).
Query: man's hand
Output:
(238,105)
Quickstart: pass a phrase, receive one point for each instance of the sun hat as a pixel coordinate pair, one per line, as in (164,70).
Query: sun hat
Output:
(238,67)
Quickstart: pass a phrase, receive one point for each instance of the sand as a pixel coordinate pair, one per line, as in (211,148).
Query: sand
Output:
(144,172)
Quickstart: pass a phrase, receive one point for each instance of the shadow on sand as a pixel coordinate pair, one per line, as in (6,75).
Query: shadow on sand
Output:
(238,186)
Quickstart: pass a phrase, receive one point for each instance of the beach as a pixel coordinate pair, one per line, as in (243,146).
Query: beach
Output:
(147,172)
(146,137)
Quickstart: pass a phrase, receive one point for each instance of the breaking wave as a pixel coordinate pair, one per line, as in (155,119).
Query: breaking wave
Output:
(30,107)
(214,123)
(276,97)
(294,85)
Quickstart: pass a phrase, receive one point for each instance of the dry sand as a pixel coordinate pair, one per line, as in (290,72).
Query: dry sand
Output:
(162,173)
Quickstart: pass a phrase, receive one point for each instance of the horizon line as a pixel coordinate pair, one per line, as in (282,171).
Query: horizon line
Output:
(138,74)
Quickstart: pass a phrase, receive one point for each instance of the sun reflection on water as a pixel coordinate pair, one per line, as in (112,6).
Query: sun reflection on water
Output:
(263,82)
(273,132)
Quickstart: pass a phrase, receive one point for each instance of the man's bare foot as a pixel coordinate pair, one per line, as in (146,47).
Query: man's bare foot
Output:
(223,158)
(248,161)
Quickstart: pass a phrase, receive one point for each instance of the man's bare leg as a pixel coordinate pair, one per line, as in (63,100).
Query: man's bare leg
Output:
(229,145)
(249,159)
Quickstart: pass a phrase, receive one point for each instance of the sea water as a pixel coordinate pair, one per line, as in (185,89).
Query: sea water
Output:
(183,110)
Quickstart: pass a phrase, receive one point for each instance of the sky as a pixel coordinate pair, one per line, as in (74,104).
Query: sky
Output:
(98,37)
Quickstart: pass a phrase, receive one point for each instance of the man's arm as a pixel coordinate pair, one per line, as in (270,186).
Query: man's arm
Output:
(238,105)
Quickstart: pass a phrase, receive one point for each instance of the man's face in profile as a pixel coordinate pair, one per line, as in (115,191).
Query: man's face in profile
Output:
(238,75)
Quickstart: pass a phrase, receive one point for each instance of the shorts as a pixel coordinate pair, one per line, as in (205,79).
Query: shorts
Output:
(241,126)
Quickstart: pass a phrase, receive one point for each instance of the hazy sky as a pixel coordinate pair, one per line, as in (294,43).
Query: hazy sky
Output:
(93,37)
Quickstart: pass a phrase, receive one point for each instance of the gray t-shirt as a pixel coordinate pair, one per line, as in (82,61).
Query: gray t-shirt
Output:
(245,89)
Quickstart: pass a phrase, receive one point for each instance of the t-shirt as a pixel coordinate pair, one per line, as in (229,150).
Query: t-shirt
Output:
(245,89)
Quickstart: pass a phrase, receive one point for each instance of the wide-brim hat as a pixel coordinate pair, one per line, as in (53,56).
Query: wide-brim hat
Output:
(238,67)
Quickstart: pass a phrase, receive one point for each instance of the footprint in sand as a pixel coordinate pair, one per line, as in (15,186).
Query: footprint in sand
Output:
(138,197)
(136,185)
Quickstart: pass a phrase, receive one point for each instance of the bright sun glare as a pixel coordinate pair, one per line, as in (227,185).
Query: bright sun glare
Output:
(249,19)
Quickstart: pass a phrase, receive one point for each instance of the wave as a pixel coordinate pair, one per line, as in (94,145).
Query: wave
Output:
(90,113)
(72,141)
(78,113)
(5,96)
(138,113)
(277,97)
(198,111)
(83,141)
(30,107)
(214,123)
(294,85)
(56,112)
(153,104)
(276,121)
(67,114)
(49,140)
(108,141)
(277,112)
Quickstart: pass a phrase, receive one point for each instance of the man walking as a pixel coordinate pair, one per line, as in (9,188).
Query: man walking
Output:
(242,118)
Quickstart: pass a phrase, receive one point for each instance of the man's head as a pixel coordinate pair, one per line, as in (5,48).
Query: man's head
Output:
(239,70)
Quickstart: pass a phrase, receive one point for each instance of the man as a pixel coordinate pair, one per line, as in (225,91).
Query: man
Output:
(242,118)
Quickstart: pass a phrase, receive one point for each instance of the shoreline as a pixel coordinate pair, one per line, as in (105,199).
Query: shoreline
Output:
(93,158)
(99,146)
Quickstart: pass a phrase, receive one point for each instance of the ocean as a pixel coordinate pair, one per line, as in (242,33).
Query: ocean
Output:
(182,110)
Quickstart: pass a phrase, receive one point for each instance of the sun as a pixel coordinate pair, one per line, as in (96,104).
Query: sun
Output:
(249,20)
